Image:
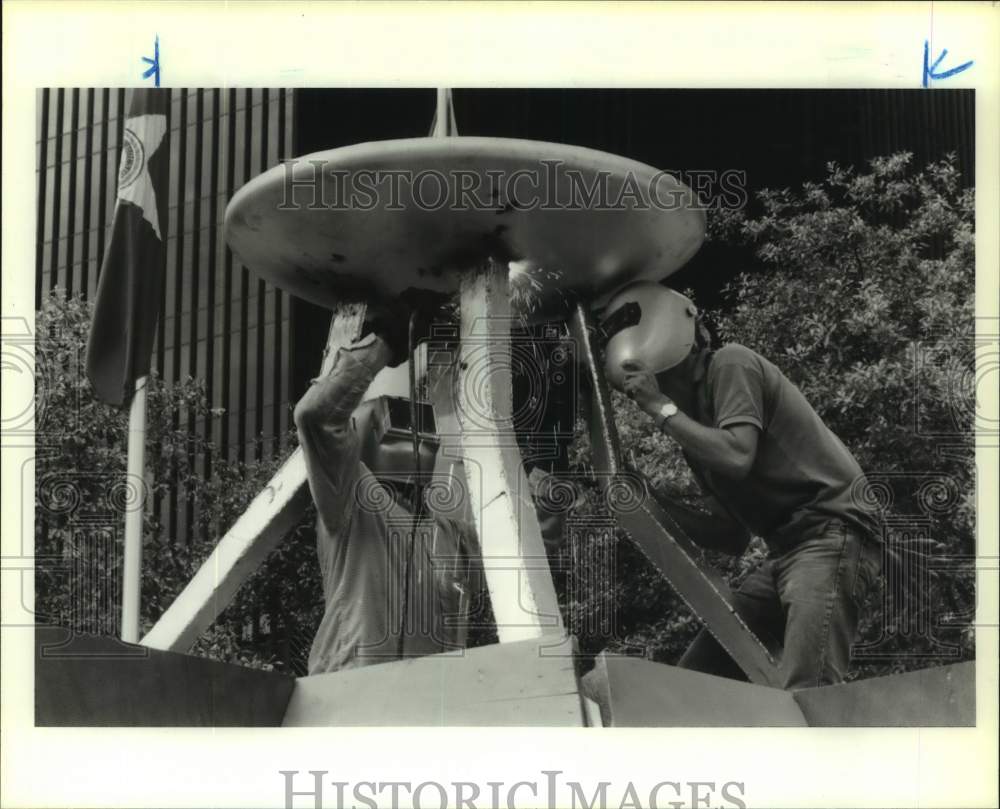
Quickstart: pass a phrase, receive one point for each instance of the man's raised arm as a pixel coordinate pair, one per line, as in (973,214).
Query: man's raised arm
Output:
(329,442)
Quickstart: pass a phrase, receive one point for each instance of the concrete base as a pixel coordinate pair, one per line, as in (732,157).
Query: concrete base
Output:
(527,683)
(637,693)
(99,681)
(943,696)
(95,681)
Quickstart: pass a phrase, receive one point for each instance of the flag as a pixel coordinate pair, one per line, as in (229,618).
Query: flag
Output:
(128,294)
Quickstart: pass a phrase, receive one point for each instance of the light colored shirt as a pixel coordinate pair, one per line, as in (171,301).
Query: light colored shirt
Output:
(362,536)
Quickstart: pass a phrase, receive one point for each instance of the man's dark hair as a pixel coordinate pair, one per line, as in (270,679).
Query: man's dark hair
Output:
(702,335)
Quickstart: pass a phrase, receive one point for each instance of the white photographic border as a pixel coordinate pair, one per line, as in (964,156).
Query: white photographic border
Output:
(221,44)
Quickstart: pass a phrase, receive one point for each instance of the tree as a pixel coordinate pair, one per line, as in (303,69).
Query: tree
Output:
(81,495)
(860,288)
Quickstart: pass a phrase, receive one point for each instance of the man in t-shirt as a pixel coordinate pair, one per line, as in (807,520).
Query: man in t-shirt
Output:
(777,471)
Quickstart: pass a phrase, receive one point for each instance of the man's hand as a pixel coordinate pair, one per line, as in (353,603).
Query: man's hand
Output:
(729,451)
(391,319)
(640,386)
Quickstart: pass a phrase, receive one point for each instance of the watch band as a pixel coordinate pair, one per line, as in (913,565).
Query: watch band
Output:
(664,418)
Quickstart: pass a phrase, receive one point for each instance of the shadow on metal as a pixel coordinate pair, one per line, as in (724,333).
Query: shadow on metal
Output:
(89,681)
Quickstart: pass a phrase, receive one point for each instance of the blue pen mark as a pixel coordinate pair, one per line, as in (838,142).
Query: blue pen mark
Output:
(154,69)
(929,68)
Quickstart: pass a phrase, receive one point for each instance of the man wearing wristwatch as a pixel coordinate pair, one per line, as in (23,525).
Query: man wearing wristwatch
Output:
(760,450)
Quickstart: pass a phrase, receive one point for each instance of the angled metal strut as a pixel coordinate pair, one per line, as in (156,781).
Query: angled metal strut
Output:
(658,536)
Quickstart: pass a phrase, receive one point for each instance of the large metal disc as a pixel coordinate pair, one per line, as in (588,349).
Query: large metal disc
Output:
(375,219)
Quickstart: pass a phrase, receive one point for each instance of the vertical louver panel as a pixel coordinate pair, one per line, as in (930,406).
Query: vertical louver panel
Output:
(218,323)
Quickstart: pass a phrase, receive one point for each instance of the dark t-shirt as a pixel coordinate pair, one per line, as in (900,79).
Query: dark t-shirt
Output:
(802,475)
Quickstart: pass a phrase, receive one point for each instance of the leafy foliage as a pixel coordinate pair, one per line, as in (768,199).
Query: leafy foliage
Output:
(81,496)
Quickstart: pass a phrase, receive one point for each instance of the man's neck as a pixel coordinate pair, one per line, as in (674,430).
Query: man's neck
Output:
(679,382)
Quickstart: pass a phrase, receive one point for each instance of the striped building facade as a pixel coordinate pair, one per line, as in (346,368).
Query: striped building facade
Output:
(218,322)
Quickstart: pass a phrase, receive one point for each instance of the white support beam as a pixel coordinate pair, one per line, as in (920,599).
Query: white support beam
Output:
(514,560)
(448,464)
(257,532)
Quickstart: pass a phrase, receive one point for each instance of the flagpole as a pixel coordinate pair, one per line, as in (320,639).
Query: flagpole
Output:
(127,307)
(135,475)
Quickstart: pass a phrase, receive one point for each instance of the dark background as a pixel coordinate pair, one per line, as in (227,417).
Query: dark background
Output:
(778,137)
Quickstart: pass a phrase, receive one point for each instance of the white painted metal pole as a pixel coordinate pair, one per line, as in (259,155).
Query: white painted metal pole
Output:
(441,114)
(135,509)
(444,125)
(514,560)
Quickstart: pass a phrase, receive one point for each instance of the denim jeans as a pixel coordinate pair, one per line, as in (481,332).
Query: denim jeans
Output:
(807,600)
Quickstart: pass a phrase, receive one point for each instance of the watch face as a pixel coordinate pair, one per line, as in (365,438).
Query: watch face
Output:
(669,409)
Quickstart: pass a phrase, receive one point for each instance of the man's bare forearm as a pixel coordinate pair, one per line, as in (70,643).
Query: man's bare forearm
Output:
(727,452)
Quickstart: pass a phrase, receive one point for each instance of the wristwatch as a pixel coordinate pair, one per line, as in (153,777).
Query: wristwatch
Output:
(667,409)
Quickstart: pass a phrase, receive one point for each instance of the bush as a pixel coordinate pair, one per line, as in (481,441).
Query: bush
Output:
(81,497)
